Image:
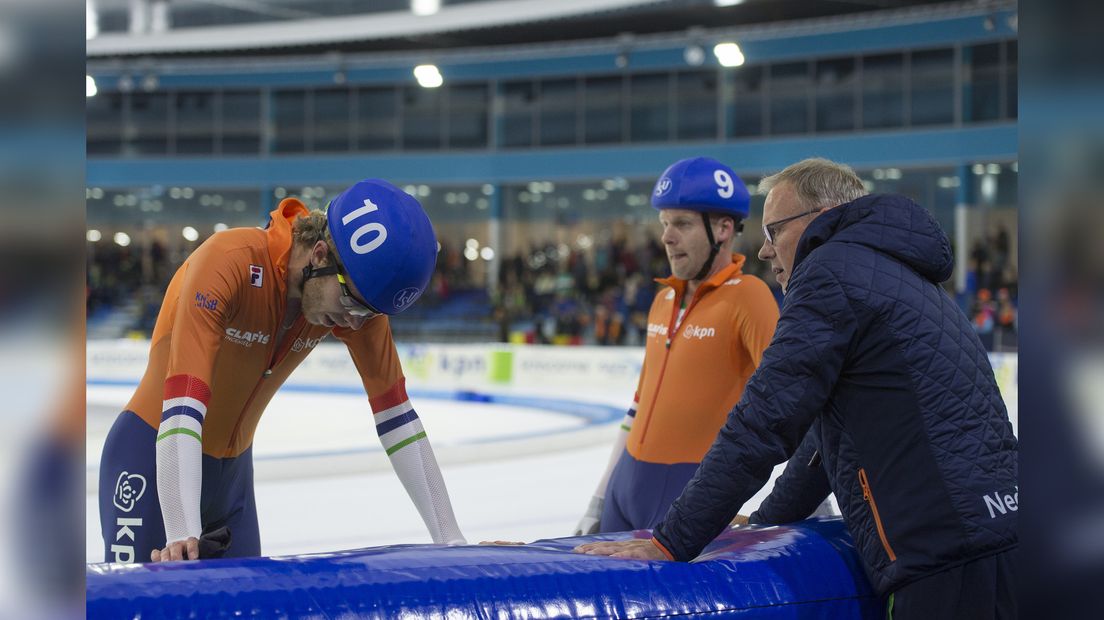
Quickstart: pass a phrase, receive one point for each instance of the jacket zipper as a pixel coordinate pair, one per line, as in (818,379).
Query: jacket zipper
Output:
(671,329)
(273,361)
(869,497)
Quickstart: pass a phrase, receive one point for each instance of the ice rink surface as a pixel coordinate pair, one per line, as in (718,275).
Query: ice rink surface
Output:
(323,482)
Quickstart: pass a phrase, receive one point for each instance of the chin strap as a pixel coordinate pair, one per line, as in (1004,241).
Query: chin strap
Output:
(714,246)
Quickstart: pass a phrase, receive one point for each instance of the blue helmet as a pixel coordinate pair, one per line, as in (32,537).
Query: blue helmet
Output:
(702,184)
(385,241)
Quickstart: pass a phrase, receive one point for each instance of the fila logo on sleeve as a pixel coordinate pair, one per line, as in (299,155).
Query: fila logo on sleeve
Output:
(256,275)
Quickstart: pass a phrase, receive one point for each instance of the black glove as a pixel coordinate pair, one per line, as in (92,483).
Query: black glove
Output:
(214,543)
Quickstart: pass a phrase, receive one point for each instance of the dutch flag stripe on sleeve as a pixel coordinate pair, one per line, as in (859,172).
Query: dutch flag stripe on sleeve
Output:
(183,408)
(630,415)
(397,423)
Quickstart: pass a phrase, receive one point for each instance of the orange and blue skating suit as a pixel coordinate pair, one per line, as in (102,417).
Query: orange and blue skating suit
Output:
(694,373)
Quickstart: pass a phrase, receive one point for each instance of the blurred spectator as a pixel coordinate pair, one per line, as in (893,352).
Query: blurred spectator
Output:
(984,313)
(548,293)
(992,268)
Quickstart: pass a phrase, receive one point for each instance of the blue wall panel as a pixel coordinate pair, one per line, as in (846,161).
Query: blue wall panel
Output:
(917,148)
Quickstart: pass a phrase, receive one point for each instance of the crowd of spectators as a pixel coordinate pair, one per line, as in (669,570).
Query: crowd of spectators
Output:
(600,296)
(553,293)
(991,291)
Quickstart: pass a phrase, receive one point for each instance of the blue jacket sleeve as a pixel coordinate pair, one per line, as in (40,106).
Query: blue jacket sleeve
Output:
(783,397)
(800,488)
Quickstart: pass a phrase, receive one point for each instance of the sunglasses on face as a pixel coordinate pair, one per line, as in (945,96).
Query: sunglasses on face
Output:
(351,304)
(770,231)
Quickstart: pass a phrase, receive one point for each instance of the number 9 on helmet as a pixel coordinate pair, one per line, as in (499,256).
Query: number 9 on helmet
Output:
(385,242)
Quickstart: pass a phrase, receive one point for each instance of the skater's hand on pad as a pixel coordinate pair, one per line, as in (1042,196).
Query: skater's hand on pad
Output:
(179,550)
(637,549)
(739,520)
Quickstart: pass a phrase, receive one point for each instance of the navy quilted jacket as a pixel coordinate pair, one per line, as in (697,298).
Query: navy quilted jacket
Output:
(905,423)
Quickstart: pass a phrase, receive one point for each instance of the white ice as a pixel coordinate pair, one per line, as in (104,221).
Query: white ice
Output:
(324,484)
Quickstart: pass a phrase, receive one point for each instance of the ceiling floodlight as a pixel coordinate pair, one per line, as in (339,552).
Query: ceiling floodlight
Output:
(428,76)
(728,54)
(425,7)
(90,89)
(727,2)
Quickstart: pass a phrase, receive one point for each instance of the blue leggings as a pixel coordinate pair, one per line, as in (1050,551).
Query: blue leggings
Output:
(639,493)
(130,513)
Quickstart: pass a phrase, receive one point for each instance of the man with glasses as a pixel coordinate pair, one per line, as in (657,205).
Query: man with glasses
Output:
(239,315)
(707,328)
(882,373)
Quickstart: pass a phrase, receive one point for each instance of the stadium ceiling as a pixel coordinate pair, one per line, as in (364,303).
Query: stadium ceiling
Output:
(244,27)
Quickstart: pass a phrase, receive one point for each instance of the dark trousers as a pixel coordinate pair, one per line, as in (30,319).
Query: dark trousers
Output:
(130,512)
(983,589)
(639,493)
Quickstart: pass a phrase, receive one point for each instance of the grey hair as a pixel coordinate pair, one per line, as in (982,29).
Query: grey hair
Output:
(819,182)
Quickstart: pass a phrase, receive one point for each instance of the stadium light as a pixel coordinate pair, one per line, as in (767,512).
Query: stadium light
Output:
(93,235)
(90,89)
(425,7)
(189,233)
(122,239)
(727,2)
(728,54)
(428,76)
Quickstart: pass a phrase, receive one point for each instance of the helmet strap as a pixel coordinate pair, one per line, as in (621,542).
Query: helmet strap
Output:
(714,245)
(714,248)
(310,271)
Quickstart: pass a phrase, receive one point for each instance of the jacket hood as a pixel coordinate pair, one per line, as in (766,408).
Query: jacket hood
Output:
(890,224)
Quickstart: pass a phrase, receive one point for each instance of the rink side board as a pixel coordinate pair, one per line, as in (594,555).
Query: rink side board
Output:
(805,570)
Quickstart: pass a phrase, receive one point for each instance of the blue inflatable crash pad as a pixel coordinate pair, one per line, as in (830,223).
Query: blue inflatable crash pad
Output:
(805,570)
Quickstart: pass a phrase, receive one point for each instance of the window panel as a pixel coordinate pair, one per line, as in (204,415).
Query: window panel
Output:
(104,118)
(790,87)
(241,122)
(421,118)
(148,130)
(559,112)
(377,119)
(835,94)
(932,87)
(195,122)
(883,88)
(330,121)
(519,106)
(650,107)
(982,79)
(604,102)
(696,100)
(467,111)
(289,119)
(746,111)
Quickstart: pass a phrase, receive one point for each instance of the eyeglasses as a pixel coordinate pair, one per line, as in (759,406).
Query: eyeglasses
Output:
(352,305)
(770,231)
(349,302)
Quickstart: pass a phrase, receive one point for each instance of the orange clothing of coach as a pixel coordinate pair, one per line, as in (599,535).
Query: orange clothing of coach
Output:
(220,322)
(695,371)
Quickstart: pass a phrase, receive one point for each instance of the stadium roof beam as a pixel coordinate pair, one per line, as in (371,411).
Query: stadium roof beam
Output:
(345,28)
